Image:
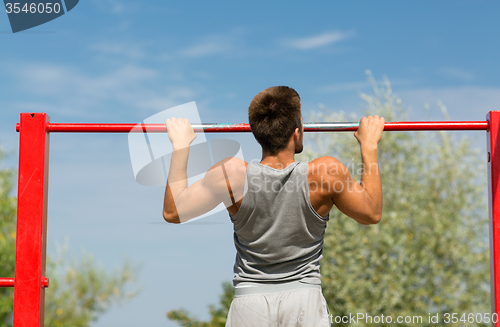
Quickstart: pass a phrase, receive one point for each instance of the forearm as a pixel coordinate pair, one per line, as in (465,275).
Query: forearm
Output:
(176,182)
(370,179)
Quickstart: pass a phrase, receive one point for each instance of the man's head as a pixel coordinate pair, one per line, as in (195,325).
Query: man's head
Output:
(274,115)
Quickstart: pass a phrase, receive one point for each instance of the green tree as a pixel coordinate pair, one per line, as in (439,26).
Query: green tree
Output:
(218,313)
(429,254)
(7,238)
(79,290)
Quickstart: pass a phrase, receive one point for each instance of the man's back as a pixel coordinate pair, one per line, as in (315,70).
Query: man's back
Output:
(277,234)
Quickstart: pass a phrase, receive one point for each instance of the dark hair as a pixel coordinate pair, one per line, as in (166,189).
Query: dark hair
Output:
(274,114)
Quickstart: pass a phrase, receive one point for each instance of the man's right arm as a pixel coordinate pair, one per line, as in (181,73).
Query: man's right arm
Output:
(362,201)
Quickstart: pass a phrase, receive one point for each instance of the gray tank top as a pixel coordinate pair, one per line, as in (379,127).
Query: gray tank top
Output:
(277,234)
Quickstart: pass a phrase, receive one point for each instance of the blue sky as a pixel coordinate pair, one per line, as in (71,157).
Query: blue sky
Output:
(123,61)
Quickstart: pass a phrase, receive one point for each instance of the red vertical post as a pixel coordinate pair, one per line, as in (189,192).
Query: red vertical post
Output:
(31,234)
(493,141)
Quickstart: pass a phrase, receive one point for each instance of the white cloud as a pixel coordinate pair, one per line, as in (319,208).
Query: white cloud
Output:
(130,50)
(113,6)
(343,87)
(223,43)
(206,49)
(317,41)
(457,74)
(362,85)
(172,97)
(462,103)
(71,92)
(53,79)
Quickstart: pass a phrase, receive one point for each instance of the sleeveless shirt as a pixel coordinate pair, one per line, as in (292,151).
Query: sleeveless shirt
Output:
(277,233)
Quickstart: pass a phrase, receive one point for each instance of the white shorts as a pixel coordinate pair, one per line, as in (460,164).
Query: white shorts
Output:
(302,307)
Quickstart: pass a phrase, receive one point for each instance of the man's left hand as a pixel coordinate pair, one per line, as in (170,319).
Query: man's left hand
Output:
(180,132)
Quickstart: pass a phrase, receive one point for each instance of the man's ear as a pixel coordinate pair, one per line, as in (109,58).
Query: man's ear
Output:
(296,134)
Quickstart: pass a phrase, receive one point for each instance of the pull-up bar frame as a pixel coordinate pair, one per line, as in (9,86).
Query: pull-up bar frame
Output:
(238,128)
(31,235)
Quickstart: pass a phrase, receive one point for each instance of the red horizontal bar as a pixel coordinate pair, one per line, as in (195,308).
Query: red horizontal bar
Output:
(6,282)
(235,128)
(45,282)
(9,282)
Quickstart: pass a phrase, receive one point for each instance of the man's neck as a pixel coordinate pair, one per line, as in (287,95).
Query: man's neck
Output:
(278,161)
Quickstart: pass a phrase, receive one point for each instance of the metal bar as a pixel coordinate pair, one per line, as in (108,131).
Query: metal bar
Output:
(31,234)
(493,147)
(238,128)
(6,282)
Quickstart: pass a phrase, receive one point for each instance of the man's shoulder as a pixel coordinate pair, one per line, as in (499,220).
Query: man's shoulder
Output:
(233,170)
(326,167)
(233,165)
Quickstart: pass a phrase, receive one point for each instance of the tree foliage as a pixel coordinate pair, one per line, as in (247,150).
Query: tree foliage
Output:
(8,205)
(79,290)
(218,313)
(429,254)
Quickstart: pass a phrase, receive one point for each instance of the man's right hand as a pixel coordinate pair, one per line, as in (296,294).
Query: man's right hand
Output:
(370,130)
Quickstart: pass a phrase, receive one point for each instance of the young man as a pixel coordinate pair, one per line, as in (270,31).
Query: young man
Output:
(279,208)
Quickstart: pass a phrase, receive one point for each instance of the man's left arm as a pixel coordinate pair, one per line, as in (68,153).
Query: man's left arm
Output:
(181,202)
